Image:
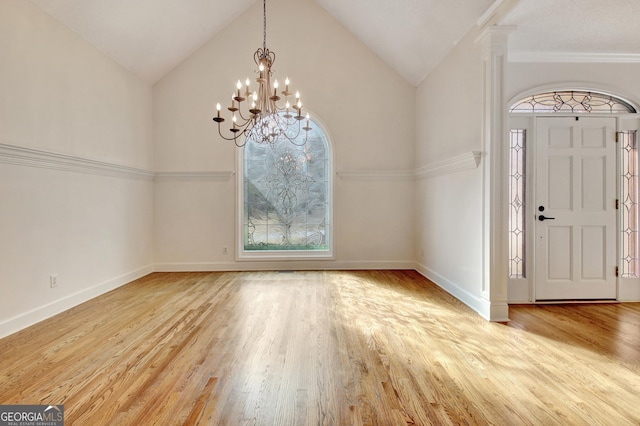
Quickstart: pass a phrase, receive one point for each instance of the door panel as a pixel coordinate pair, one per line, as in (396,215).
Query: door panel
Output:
(594,184)
(593,265)
(559,251)
(575,181)
(560,183)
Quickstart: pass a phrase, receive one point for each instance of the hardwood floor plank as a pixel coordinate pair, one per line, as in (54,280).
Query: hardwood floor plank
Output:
(323,348)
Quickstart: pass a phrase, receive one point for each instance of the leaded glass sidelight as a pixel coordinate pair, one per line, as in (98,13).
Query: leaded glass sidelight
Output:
(517,203)
(571,102)
(630,265)
(286,193)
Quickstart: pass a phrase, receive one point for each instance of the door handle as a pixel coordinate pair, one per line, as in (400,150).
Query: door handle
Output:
(542,218)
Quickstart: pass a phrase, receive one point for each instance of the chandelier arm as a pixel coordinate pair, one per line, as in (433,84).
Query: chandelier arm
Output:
(302,143)
(246,119)
(288,136)
(242,142)
(293,139)
(283,107)
(240,138)
(227,138)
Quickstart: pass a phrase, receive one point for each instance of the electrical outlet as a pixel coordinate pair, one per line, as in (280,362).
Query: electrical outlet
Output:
(225,250)
(53,280)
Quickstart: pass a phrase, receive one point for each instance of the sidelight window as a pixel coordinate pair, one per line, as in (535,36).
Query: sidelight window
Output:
(629,250)
(517,203)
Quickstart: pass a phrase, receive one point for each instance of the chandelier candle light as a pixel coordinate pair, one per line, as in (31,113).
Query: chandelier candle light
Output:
(264,120)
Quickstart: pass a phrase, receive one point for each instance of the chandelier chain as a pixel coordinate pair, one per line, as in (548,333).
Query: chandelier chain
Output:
(264,24)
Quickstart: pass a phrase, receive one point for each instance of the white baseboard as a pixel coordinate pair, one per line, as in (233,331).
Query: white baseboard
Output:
(41,313)
(629,290)
(496,311)
(300,265)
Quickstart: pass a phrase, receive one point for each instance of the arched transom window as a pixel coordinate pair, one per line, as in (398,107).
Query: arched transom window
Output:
(571,102)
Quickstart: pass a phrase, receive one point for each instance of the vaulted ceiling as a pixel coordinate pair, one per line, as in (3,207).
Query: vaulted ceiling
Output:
(151,37)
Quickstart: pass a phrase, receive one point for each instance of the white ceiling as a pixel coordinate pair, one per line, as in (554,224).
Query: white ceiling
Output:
(412,36)
(578,26)
(151,37)
(148,37)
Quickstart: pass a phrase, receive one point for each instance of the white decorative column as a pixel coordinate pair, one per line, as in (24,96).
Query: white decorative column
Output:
(493,43)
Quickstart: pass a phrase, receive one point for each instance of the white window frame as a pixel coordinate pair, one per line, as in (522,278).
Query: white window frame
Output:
(266,255)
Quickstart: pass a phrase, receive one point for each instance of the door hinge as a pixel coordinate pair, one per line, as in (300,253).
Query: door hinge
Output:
(617,137)
(617,272)
(617,204)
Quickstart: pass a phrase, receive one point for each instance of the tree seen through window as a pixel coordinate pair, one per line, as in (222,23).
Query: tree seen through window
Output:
(286,191)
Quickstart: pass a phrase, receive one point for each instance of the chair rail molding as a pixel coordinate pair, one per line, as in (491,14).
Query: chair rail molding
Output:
(39,158)
(376,175)
(31,157)
(193,176)
(467,161)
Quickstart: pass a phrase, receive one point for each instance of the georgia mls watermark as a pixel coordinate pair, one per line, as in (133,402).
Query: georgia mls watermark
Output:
(31,415)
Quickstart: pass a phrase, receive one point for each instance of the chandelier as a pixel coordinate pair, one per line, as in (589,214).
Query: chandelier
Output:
(262,115)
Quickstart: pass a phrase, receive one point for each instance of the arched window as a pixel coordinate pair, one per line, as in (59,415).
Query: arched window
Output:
(285,199)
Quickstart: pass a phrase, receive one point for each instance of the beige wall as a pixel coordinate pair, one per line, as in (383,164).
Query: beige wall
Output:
(621,79)
(75,147)
(449,207)
(365,106)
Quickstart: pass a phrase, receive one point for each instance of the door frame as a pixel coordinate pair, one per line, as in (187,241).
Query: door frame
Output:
(522,290)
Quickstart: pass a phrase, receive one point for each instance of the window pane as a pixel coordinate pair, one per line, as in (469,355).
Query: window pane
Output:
(629,205)
(517,203)
(286,187)
(571,102)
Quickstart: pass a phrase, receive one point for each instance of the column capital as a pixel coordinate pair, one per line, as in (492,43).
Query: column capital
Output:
(494,38)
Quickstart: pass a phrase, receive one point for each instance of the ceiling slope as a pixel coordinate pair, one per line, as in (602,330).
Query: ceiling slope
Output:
(148,37)
(412,36)
(151,37)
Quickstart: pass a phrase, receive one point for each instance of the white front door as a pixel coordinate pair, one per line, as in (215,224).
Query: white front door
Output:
(575,208)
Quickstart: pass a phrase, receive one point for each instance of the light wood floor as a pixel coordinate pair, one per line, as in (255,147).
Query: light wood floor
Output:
(311,348)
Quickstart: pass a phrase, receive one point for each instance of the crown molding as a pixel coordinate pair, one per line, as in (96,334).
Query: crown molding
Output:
(489,13)
(573,57)
(12,154)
